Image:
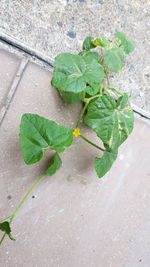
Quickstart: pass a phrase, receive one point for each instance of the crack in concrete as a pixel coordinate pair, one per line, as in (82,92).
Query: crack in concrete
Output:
(13,88)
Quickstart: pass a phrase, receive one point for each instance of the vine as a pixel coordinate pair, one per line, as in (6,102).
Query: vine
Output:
(82,77)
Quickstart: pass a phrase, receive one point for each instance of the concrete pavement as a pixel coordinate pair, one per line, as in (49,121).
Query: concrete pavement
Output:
(84,222)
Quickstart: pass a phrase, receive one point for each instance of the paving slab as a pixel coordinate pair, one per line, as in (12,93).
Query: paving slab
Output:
(9,64)
(11,70)
(84,222)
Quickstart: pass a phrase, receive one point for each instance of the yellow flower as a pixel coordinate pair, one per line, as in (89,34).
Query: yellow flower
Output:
(76,132)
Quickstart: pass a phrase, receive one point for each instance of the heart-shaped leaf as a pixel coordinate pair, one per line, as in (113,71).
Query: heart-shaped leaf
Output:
(73,72)
(38,133)
(127,44)
(111,120)
(114,59)
(102,165)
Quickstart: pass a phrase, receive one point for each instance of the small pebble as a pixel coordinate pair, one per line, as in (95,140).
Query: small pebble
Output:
(71,34)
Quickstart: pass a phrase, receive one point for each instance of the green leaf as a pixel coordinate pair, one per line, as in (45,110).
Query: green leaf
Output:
(111,120)
(90,55)
(93,89)
(55,164)
(87,44)
(102,41)
(102,165)
(38,133)
(127,44)
(71,98)
(114,59)
(72,72)
(5,227)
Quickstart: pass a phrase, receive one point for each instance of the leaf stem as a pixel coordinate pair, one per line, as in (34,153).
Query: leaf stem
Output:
(3,237)
(91,143)
(91,98)
(107,92)
(115,91)
(86,100)
(81,114)
(26,196)
(22,202)
(108,83)
(101,90)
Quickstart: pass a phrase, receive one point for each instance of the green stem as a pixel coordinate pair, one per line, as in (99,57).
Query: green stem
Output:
(22,202)
(91,98)
(107,92)
(108,83)
(115,91)
(26,196)
(91,143)
(101,90)
(3,237)
(86,100)
(81,114)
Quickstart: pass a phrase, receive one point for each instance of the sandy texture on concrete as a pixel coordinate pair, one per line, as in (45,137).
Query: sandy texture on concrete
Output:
(59,26)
